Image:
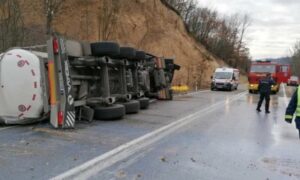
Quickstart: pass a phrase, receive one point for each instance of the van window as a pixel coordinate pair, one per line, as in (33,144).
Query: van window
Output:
(284,68)
(223,75)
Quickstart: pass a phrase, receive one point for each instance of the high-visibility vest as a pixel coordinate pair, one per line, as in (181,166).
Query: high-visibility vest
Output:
(298,102)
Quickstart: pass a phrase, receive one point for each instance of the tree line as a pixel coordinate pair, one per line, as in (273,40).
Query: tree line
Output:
(296,59)
(222,36)
(13,31)
(11,24)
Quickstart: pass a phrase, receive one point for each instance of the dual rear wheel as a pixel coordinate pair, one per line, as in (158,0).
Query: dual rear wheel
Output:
(117,111)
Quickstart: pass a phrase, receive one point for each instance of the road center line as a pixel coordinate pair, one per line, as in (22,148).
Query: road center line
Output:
(2,129)
(97,164)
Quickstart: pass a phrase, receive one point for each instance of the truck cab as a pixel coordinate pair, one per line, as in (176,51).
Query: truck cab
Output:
(225,78)
(258,70)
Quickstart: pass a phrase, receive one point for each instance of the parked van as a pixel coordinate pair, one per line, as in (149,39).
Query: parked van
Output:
(225,78)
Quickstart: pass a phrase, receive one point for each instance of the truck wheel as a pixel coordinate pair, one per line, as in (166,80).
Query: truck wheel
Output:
(127,53)
(116,111)
(132,107)
(111,49)
(144,103)
(140,55)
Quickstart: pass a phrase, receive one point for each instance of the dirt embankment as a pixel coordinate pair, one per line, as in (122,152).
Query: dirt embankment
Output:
(145,24)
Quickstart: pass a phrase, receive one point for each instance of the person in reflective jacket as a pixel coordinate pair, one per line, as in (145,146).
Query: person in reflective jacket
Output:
(264,88)
(293,109)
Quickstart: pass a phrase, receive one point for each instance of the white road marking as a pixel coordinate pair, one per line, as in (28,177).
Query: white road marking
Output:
(2,129)
(152,100)
(97,164)
(286,102)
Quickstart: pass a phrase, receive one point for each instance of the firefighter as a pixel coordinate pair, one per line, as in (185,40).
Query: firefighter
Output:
(294,109)
(264,88)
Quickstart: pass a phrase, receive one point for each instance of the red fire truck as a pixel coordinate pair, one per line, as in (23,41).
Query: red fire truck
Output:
(285,72)
(280,73)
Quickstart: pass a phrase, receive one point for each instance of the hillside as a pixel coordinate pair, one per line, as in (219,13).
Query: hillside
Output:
(145,24)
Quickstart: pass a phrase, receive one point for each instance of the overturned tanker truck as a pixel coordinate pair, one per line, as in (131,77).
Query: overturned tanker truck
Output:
(75,81)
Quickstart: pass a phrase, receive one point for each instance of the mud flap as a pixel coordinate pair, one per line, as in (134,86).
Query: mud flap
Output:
(86,113)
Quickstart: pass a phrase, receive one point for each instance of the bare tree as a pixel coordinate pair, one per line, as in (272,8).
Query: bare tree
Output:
(245,23)
(107,18)
(11,24)
(222,36)
(296,59)
(51,9)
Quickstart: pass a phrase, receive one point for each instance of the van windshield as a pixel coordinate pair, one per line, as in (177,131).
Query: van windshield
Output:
(223,75)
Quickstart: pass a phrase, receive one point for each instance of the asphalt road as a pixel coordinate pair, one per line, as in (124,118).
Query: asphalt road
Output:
(204,135)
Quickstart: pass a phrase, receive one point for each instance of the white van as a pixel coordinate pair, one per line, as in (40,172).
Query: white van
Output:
(225,78)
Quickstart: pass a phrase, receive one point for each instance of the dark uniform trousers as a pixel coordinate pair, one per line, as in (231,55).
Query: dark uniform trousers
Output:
(264,88)
(263,96)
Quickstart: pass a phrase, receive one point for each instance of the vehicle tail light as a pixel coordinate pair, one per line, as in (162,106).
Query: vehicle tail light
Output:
(60,118)
(55,46)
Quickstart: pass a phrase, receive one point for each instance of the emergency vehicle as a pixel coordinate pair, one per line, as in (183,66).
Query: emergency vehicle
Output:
(74,81)
(279,72)
(225,78)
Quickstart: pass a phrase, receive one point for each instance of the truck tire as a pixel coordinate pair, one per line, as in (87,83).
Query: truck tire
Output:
(127,53)
(114,112)
(144,103)
(140,55)
(105,48)
(132,107)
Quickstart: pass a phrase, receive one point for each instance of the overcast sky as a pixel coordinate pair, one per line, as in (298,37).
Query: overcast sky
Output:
(275,24)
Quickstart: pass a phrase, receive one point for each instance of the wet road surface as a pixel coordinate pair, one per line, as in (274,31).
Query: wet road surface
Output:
(224,139)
